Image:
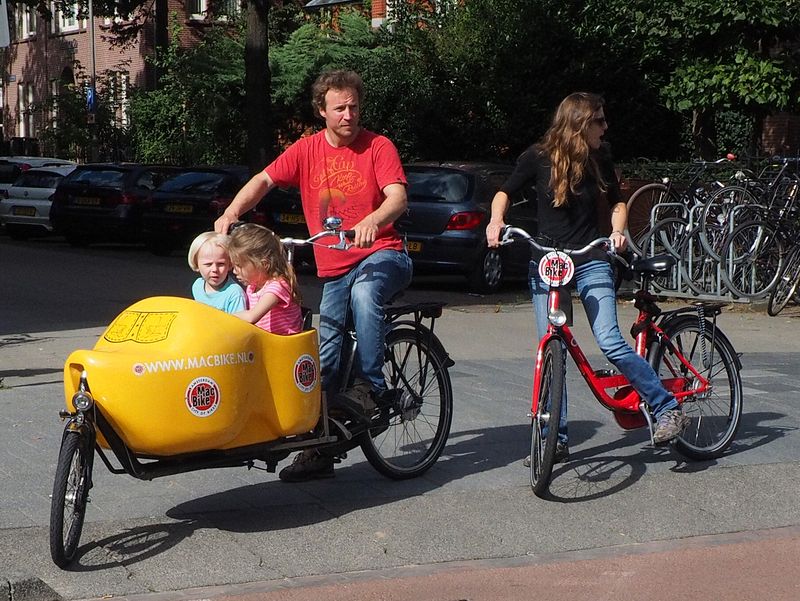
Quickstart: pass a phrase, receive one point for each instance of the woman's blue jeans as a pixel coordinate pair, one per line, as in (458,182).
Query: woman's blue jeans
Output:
(595,285)
(363,291)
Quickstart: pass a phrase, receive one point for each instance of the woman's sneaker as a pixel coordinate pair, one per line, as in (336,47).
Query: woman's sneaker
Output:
(669,425)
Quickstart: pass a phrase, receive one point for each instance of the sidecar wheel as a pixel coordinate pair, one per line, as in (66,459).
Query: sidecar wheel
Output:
(413,438)
(70,495)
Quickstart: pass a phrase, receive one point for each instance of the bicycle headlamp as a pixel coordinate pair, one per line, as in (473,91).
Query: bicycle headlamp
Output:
(82,400)
(557,317)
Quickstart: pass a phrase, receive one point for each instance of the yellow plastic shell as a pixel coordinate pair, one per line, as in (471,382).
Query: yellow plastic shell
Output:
(175,376)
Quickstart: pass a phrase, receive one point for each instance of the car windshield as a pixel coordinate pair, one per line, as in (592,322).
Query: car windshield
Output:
(437,185)
(9,172)
(38,179)
(104,178)
(193,181)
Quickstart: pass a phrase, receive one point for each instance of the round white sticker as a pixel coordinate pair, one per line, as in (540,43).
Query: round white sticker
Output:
(202,396)
(305,373)
(556,268)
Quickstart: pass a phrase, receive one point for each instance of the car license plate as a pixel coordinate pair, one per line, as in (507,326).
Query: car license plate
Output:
(183,209)
(414,247)
(24,211)
(291,218)
(87,200)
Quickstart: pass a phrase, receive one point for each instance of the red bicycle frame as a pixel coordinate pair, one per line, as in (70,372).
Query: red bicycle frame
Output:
(614,391)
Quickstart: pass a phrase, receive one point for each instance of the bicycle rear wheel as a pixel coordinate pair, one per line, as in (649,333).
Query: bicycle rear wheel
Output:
(714,415)
(726,205)
(546,413)
(410,435)
(787,284)
(70,496)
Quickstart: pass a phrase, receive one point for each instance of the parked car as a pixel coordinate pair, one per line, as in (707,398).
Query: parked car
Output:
(187,204)
(445,226)
(25,206)
(26,162)
(104,201)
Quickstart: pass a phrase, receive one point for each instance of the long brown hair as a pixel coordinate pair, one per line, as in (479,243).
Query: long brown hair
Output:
(260,246)
(565,144)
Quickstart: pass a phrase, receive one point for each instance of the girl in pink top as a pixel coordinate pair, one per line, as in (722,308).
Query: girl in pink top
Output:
(259,261)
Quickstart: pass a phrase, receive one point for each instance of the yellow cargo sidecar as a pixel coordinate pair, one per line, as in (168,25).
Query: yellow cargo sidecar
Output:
(174,386)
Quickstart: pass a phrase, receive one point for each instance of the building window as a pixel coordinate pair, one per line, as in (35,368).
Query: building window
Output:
(66,19)
(55,86)
(118,88)
(26,21)
(215,9)
(25,125)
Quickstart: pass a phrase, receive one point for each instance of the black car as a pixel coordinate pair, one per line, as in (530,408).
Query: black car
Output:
(188,204)
(104,201)
(445,226)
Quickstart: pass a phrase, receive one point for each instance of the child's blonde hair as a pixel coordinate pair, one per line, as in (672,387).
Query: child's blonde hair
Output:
(255,244)
(222,240)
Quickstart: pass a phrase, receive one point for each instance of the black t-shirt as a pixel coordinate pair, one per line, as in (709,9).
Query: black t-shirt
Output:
(585,215)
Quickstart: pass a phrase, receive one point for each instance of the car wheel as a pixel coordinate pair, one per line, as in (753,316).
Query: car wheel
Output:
(487,275)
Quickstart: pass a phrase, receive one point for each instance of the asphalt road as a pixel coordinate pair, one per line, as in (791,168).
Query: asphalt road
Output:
(215,532)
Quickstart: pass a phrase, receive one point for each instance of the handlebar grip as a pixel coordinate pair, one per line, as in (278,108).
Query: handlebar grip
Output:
(349,234)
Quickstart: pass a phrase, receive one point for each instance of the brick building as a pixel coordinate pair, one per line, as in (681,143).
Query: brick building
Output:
(46,55)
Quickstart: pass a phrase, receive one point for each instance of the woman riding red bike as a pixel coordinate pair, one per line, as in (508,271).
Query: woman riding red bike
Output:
(577,188)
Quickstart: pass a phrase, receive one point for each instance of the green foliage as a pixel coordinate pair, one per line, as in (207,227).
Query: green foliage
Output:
(195,116)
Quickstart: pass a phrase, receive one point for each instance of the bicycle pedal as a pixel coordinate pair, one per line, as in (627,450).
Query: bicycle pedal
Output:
(605,373)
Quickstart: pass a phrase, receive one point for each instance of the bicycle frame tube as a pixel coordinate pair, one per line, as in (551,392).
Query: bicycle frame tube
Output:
(623,397)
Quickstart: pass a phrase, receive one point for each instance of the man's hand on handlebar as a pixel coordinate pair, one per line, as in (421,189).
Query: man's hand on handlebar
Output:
(493,232)
(223,224)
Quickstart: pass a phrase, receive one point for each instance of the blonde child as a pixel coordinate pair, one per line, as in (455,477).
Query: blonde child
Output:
(208,255)
(259,261)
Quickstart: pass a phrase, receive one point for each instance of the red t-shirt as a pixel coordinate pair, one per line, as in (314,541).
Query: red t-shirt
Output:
(344,182)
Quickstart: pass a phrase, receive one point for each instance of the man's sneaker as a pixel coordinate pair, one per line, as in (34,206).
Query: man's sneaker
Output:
(669,425)
(307,465)
(562,454)
(357,403)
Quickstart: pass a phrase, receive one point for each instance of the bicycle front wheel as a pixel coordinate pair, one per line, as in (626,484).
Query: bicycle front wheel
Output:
(546,414)
(752,259)
(70,495)
(714,414)
(410,436)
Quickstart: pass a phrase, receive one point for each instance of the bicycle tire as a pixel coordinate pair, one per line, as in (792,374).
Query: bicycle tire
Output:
(409,437)
(752,259)
(70,494)
(714,416)
(718,211)
(786,286)
(699,269)
(640,217)
(546,414)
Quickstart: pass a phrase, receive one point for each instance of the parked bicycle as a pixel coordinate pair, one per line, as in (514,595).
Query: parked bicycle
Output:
(694,359)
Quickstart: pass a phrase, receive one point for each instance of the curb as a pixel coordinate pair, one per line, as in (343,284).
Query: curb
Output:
(21,587)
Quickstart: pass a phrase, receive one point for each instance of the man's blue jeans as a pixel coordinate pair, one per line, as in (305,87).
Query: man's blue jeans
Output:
(595,285)
(362,291)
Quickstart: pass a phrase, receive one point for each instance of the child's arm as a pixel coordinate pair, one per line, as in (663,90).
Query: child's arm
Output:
(262,307)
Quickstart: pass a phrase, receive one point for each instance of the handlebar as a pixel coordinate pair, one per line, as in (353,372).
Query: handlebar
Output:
(343,243)
(604,243)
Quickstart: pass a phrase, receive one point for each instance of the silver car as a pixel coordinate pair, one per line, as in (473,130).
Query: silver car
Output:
(25,205)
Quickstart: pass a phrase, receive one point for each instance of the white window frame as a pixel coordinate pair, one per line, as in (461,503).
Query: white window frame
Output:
(26,17)
(25,123)
(55,86)
(67,24)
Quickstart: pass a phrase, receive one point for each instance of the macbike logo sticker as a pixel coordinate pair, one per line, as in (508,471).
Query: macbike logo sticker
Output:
(202,396)
(556,268)
(305,373)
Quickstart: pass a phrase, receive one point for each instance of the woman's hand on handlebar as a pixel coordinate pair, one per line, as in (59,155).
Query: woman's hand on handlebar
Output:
(493,232)
(619,240)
